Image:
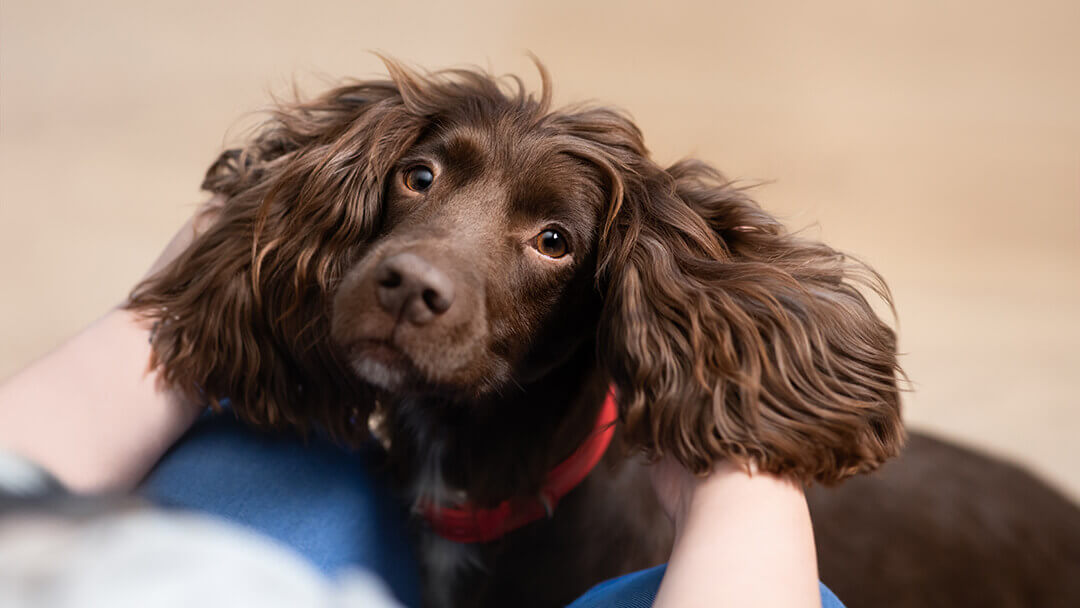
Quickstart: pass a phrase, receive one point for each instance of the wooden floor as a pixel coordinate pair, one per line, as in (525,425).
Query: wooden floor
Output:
(940,141)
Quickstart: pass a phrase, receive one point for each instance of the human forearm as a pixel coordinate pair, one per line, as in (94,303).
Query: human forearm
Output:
(741,540)
(91,412)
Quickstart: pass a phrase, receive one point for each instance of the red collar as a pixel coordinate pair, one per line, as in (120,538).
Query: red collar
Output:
(469,524)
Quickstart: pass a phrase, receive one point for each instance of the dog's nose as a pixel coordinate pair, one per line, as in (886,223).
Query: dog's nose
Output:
(406,283)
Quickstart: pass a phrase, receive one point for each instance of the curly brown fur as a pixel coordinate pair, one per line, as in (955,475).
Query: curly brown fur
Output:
(726,336)
(732,339)
(242,313)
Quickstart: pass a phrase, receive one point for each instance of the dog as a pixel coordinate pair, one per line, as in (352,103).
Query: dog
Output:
(945,525)
(528,309)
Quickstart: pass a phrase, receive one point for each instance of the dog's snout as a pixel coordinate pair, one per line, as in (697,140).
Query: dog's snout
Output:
(407,284)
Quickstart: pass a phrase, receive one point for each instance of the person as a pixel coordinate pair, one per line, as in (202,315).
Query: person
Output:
(97,417)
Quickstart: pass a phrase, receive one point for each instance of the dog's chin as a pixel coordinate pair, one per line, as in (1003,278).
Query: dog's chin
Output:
(381,375)
(393,370)
(383,366)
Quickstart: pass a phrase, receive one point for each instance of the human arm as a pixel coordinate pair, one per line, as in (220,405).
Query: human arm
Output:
(741,539)
(92,412)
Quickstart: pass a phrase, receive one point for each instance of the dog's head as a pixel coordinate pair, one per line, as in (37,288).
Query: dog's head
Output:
(444,234)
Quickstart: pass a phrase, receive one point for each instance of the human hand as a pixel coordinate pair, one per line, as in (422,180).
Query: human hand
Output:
(200,221)
(677,487)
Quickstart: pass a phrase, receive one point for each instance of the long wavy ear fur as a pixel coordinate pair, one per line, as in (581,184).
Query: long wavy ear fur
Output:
(729,338)
(242,314)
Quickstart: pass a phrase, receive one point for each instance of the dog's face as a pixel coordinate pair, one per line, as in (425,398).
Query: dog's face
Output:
(441,236)
(486,242)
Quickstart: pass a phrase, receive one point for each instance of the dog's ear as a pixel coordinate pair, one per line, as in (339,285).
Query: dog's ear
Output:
(242,313)
(729,338)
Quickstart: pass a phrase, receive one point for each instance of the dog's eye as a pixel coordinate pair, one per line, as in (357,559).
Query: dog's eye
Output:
(419,178)
(550,243)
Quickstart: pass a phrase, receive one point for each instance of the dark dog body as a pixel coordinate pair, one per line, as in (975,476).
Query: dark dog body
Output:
(946,526)
(609,525)
(480,270)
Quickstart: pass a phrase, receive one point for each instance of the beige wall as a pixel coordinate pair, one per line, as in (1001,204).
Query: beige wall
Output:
(939,140)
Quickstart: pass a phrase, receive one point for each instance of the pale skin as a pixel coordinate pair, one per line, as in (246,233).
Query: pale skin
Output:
(95,415)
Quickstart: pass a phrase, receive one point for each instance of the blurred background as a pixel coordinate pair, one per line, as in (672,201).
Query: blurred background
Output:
(937,140)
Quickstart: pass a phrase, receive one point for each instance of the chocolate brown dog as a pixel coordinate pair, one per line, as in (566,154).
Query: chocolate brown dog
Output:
(483,271)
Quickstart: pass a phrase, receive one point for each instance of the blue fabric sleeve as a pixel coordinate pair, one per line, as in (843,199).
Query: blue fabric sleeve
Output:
(638,590)
(322,501)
